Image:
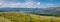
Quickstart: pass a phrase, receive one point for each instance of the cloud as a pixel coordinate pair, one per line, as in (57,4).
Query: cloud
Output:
(50,4)
(38,3)
(27,4)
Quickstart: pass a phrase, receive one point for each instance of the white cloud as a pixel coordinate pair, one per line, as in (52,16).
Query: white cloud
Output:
(50,4)
(38,3)
(25,5)
(28,4)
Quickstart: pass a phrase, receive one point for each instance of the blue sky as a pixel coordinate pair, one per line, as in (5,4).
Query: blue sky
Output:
(30,3)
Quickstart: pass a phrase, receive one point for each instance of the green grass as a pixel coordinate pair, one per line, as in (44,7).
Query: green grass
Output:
(26,17)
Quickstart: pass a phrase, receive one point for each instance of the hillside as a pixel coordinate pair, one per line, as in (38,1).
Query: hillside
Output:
(53,11)
(26,17)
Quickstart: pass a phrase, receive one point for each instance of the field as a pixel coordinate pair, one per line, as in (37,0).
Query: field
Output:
(26,17)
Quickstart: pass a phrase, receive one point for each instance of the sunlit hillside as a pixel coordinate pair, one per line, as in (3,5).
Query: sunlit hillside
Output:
(26,17)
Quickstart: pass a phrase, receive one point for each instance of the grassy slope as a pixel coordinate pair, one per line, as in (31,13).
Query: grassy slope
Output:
(2,19)
(26,17)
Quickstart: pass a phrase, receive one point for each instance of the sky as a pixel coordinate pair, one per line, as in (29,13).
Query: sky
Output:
(29,3)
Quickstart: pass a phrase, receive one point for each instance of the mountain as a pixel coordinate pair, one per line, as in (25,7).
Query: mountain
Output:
(48,11)
(20,9)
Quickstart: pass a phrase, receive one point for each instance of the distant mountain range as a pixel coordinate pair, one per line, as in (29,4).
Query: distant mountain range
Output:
(51,11)
(31,9)
(19,9)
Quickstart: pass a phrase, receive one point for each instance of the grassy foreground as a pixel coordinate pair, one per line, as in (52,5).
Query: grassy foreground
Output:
(26,17)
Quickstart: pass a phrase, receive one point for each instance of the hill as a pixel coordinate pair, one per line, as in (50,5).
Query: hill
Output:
(26,17)
(53,11)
